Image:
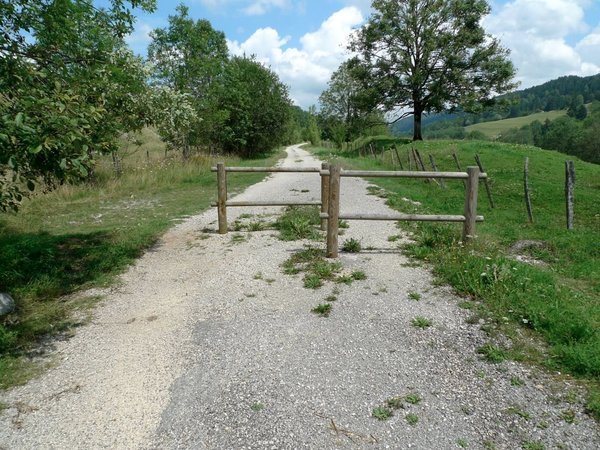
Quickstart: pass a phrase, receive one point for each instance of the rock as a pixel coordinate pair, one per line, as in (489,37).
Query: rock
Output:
(519,246)
(7,304)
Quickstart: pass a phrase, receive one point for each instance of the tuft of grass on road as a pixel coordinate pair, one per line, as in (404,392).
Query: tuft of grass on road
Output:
(299,222)
(79,236)
(558,301)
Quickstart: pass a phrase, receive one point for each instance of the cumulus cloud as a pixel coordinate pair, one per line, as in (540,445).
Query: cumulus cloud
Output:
(305,69)
(248,7)
(537,32)
(140,34)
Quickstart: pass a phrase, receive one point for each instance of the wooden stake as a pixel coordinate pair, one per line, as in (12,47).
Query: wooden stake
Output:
(485,181)
(526,188)
(398,157)
(324,195)
(471,203)
(441,181)
(570,191)
(333,211)
(222,197)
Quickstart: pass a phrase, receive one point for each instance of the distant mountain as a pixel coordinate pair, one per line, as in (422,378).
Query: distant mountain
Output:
(550,96)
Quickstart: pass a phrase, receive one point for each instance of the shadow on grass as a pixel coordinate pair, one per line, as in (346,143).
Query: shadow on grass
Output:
(38,269)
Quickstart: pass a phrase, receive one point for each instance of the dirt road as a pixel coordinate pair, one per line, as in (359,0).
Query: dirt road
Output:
(206,343)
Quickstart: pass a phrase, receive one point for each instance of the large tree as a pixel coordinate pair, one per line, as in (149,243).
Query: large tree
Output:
(430,55)
(190,56)
(257,108)
(68,88)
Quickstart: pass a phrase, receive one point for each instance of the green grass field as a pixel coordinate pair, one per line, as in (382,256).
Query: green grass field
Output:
(560,301)
(82,236)
(495,128)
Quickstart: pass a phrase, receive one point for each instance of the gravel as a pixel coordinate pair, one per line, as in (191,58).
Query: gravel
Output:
(224,352)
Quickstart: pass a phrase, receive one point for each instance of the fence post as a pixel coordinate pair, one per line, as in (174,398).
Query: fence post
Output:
(324,195)
(569,191)
(333,211)
(471,203)
(526,189)
(222,197)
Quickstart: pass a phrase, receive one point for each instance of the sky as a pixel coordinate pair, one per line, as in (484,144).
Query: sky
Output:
(304,41)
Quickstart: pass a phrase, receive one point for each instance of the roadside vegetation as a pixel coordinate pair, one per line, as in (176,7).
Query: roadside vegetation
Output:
(79,236)
(557,297)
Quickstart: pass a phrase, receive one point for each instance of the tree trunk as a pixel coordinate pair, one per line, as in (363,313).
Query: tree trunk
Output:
(417,136)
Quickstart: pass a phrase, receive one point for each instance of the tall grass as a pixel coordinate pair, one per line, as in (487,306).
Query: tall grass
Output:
(560,300)
(79,236)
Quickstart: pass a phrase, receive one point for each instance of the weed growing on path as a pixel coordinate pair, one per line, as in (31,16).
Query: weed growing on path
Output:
(298,222)
(323,309)
(382,413)
(412,419)
(351,246)
(421,322)
(414,296)
(492,353)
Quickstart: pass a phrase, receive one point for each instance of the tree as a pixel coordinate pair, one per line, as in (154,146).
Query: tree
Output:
(190,57)
(431,55)
(68,88)
(341,106)
(257,108)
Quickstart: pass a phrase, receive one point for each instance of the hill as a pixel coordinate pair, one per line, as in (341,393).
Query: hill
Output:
(558,94)
(494,128)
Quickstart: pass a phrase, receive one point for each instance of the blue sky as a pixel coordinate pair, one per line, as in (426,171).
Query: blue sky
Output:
(304,40)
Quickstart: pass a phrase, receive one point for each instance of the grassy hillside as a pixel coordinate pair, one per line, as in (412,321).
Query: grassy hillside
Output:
(495,128)
(559,300)
(82,236)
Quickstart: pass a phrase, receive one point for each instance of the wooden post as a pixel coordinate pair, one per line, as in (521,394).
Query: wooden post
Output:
(222,197)
(333,211)
(526,187)
(398,157)
(458,166)
(435,169)
(471,203)
(570,191)
(324,195)
(485,181)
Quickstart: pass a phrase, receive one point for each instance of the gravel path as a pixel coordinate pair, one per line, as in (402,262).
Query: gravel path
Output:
(207,344)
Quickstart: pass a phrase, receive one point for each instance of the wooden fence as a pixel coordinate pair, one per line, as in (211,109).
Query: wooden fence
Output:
(330,198)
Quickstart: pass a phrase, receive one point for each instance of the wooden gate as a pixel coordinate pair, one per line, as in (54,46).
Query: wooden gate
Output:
(330,198)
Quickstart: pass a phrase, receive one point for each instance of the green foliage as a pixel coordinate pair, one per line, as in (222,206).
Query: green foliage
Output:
(68,89)
(421,322)
(446,58)
(323,309)
(298,222)
(382,413)
(351,246)
(257,106)
(492,353)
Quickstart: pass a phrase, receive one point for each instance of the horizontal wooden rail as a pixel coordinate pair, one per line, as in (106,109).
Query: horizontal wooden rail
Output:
(269,169)
(274,203)
(404,217)
(403,174)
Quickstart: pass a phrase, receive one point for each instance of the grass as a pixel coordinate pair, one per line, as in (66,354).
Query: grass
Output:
(558,302)
(351,246)
(382,413)
(323,309)
(516,381)
(518,411)
(79,236)
(413,398)
(492,353)
(298,222)
(497,127)
(312,262)
(412,418)
(414,296)
(421,322)
(394,403)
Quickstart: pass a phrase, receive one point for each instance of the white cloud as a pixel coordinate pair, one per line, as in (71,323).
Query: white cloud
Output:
(260,7)
(250,7)
(140,34)
(308,68)
(536,32)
